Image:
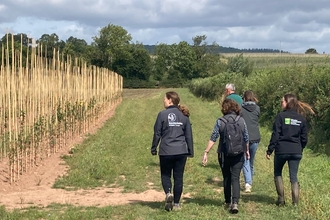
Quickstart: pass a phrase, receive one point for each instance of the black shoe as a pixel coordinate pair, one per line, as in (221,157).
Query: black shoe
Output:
(234,208)
(169,202)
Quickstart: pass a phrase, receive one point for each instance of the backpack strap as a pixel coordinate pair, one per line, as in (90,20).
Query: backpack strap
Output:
(237,118)
(223,120)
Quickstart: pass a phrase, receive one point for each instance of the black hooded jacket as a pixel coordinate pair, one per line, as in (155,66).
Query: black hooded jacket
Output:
(250,113)
(289,133)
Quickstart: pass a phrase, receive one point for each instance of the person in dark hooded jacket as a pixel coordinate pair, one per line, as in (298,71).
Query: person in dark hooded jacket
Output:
(288,140)
(173,134)
(250,113)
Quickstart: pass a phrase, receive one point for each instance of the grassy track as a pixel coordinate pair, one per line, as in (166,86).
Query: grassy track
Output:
(119,155)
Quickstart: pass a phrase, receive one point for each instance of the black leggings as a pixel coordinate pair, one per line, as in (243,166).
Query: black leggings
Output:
(231,169)
(177,164)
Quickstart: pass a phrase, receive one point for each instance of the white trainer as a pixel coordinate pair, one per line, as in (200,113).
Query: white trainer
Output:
(248,188)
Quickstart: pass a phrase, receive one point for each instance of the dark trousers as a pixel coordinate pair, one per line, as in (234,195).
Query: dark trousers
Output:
(231,169)
(175,164)
(293,163)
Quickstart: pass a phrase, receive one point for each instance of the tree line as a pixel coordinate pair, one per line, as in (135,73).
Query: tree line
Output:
(140,65)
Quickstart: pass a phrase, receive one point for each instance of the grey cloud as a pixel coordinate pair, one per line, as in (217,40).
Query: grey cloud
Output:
(264,22)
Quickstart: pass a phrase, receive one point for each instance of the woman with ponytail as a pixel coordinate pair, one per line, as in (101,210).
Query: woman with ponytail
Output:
(289,138)
(173,131)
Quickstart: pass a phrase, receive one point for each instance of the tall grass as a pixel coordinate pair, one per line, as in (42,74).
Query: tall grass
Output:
(119,156)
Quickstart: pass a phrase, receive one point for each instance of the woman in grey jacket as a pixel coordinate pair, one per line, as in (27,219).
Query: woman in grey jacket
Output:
(173,130)
(250,113)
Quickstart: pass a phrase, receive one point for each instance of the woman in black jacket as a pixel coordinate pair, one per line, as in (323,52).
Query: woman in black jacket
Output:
(288,139)
(173,130)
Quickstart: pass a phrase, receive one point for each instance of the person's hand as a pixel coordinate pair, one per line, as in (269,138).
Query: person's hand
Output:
(154,153)
(247,155)
(204,161)
(268,156)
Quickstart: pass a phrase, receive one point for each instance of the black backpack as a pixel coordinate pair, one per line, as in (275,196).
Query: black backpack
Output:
(233,141)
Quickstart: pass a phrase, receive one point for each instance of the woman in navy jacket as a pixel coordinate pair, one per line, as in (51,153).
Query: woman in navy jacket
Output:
(173,130)
(289,138)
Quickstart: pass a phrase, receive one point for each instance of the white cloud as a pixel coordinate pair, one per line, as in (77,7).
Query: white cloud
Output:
(235,23)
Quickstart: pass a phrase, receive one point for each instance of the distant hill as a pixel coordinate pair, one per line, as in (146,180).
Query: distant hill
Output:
(220,49)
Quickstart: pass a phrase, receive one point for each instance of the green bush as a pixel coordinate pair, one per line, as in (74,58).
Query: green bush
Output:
(310,83)
(212,88)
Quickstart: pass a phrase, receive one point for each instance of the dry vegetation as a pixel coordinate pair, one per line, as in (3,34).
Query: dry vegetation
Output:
(47,102)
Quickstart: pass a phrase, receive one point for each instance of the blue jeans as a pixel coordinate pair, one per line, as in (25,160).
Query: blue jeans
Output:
(248,166)
(172,164)
(293,163)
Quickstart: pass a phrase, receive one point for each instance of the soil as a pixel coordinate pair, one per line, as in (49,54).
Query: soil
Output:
(34,188)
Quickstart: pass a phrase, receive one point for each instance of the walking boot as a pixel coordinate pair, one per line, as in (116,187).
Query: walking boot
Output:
(280,190)
(295,193)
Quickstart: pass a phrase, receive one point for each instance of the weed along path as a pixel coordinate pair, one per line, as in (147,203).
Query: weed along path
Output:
(34,188)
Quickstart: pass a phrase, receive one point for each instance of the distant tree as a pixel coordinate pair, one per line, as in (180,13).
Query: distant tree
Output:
(17,38)
(21,43)
(75,47)
(113,42)
(163,60)
(49,43)
(311,51)
(136,65)
(184,60)
(239,64)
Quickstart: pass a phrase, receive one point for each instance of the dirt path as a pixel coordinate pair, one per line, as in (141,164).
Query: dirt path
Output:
(34,187)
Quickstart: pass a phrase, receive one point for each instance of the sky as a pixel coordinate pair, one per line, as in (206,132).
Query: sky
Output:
(288,25)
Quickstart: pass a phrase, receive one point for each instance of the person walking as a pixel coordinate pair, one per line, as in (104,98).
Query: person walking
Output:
(173,131)
(250,113)
(230,94)
(289,138)
(231,166)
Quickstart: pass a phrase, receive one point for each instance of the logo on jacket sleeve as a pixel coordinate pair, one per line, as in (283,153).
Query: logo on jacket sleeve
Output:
(291,121)
(172,120)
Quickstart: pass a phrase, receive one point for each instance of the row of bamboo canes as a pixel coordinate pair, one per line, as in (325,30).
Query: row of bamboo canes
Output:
(48,102)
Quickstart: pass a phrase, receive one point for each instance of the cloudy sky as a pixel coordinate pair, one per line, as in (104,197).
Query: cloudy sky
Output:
(290,25)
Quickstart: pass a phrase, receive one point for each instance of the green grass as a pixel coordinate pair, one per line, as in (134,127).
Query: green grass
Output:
(119,155)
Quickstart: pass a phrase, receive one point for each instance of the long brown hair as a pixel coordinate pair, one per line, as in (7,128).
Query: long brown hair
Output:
(293,103)
(228,106)
(176,102)
(249,96)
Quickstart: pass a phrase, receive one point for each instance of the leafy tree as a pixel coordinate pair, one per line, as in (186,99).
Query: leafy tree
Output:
(184,60)
(199,48)
(311,51)
(140,65)
(207,59)
(113,43)
(21,44)
(239,64)
(19,38)
(49,43)
(75,48)
(211,65)
(163,61)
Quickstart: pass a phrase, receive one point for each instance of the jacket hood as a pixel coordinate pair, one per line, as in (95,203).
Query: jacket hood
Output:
(249,106)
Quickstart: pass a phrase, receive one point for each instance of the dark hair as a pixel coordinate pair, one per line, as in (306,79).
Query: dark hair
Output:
(174,97)
(176,102)
(249,96)
(293,103)
(228,106)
